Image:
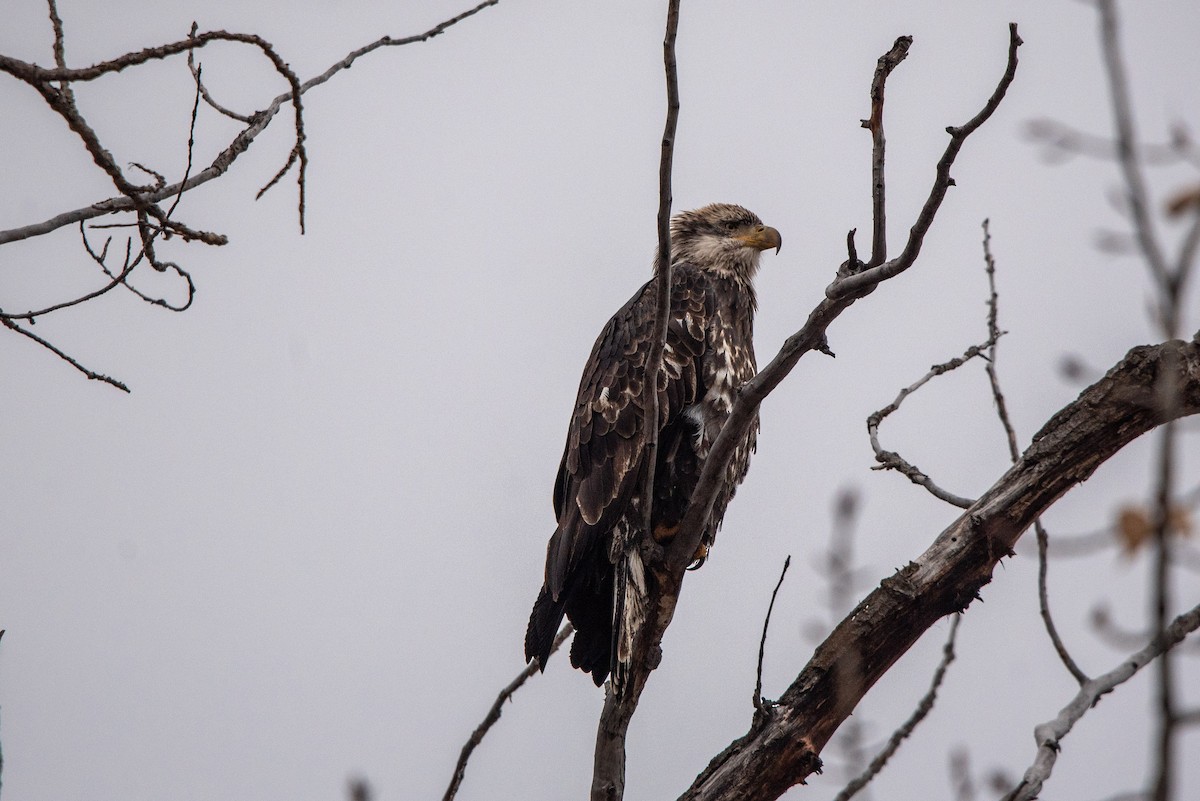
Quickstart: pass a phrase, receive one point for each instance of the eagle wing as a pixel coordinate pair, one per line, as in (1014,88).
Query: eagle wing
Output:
(601,471)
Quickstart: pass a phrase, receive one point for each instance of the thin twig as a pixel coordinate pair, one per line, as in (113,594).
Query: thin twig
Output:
(240,143)
(94,376)
(759,705)
(1062,141)
(914,720)
(662,267)
(867,279)
(1014,452)
(1126,142)
(1050,734)
(890,460)
(994,333)
(1043,544)
(494,712)
(115,281)
(247,119)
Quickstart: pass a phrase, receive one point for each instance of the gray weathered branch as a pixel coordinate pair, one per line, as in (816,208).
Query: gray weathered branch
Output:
(1050,734)
(1107,416)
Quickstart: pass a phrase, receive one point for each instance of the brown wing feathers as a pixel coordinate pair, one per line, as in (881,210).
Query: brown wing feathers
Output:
(600,474)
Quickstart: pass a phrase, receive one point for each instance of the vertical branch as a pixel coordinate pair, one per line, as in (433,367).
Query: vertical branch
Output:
(1043,539)
(924,707)
(1164,771)
(60,52)
(1049,735)
(887,62)
(762,643)
(608,772)
(1170,284)
(662,264)
(1127,154)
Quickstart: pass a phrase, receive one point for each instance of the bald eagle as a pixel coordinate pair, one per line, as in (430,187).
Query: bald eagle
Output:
(594,573)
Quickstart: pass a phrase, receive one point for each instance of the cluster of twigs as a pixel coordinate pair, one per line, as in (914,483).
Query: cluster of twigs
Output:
(153,220)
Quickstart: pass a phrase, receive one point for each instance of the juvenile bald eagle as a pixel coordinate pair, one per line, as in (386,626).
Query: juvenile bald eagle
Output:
(594,572)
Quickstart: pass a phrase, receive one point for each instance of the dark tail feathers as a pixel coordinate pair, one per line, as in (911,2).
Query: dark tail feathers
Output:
(543,625)
(591,650)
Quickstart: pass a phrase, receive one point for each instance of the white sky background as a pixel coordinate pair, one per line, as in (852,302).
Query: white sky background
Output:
(306,546)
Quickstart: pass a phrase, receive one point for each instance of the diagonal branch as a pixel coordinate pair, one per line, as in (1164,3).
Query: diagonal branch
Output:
(839,296)
(91,374)
(1049,735)
(905,731)
(758,702)
(493,715)
(1106,417)
(1010,434)
(890,460)
(240,143)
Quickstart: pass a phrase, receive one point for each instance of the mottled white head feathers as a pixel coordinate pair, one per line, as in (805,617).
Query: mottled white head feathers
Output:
(721,238)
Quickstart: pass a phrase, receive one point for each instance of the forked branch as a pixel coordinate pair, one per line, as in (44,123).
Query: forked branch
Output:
(1106,417)
(668,574)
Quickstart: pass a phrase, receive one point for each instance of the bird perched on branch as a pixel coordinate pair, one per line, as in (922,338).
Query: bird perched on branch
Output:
(594,571)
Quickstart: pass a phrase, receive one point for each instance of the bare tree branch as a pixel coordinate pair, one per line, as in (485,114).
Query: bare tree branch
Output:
(1043,544)
(847,288)
(868,279)
(758,702)
(41,80)
(246,119)
(901,734)
(1050,734)
(240,143)
(94,376)
(1106,417)
(1010,436)
(494,712)
(625,686)
(890,460)
(1126,142)
(887,62)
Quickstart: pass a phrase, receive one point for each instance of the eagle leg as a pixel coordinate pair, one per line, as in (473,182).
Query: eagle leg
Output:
(664,533)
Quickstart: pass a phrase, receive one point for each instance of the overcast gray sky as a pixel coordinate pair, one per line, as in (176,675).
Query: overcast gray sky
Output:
(306,545)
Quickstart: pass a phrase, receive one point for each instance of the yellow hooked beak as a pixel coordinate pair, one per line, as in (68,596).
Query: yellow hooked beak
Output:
(761,237)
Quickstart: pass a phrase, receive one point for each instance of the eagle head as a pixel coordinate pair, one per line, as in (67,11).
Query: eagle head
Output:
(721,238)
